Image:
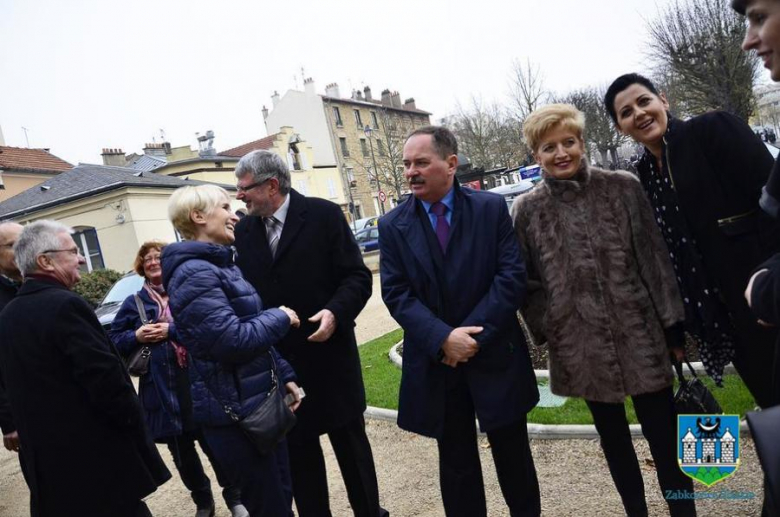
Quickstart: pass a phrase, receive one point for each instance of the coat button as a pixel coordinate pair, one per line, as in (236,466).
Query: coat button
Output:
(569,196)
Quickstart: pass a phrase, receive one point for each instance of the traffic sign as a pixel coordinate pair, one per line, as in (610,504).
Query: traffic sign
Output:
(382,196)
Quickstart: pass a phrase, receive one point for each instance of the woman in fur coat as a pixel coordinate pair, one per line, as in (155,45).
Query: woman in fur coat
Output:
(603,293)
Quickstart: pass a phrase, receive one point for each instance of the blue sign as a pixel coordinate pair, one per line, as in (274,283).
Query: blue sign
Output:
(532,171)
(708,446)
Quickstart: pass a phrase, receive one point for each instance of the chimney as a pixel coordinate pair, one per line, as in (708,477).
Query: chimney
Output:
(113,157)
(2,140)
(308,85)
(167,147)
(157,150)
(367,92)
(386,98)
(275,98)
(357,95)
(332,90)
(409,104)
(396,100)
(265,112)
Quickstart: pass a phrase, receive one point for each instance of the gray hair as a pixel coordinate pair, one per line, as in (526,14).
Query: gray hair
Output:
(35,239)
(264,165)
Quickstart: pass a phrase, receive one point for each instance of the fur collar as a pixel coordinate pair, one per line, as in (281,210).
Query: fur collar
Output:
(568,189)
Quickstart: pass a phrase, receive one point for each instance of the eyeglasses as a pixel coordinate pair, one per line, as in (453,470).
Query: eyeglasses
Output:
(251,186)
(151,260)
(72,251)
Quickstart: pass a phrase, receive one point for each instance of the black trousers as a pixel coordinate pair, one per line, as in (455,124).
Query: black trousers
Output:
(356,462)
(460,471)
(756,360)
(190,468)
(264,480)
(658,419)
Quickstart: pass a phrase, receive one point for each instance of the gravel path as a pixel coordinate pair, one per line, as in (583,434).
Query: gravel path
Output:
(572,473)
(573,476)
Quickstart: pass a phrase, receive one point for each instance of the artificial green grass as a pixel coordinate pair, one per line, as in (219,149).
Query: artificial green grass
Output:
(383,379)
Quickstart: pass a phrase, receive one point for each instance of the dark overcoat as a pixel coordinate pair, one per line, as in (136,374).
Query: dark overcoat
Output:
(718,167)
(7,292)
(86,449)
(480,281)
(317,266)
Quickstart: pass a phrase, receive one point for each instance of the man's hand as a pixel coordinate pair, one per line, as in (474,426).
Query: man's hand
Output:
(11,441)
(327,326)
(749,290)
(459,346)
(293,389)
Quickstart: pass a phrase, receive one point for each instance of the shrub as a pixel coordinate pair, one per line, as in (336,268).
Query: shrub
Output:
(94,286)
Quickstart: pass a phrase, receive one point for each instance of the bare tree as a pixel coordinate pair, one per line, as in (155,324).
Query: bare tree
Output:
(488,135)
(385,149)
(697,44)
(527,88)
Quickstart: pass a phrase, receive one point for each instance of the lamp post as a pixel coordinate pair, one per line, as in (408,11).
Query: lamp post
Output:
(368,132)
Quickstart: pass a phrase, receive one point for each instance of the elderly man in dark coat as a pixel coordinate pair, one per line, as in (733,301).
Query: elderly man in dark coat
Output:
(86,450)
(299,252)
(10,278)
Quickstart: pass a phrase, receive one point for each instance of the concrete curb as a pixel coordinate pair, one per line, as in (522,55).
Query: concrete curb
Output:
(698,367)
(542,431)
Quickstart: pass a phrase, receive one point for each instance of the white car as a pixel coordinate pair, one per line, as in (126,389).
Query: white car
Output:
(510,192)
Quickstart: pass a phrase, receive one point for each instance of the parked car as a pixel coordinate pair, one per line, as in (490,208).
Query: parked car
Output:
(510,192)
(122,288)
(362,224)
(368,239)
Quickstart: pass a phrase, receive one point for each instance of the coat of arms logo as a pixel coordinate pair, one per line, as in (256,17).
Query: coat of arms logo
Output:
(708,446)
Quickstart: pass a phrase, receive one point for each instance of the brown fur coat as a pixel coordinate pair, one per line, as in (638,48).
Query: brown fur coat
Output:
(601,284)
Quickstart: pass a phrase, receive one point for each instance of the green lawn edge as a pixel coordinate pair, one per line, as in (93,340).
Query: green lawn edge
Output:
(382,380)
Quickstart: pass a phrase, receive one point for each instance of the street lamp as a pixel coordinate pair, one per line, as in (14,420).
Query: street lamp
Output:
(368,132)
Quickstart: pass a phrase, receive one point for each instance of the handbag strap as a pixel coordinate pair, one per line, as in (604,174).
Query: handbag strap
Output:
(679,369)
(225,406)
(139,304)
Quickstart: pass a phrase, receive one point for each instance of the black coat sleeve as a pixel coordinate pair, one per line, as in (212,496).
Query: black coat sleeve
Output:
(355,280)
(765,295)
(7,425)
(96,364)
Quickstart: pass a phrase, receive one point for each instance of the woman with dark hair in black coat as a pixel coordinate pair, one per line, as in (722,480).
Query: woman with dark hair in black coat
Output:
(703,177)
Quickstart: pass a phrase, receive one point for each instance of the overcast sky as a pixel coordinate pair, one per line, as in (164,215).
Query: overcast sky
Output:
(81,75)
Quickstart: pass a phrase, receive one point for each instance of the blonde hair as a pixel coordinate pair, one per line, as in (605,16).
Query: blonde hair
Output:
(184,200)
(550,117)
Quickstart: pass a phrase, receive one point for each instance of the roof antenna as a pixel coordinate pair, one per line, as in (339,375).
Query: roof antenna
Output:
(25,136)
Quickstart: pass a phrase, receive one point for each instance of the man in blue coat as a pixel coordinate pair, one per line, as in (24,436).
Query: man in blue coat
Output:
(453,277)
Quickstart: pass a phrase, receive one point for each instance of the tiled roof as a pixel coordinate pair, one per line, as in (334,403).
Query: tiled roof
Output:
(83,181)
(38,160)
(264,143)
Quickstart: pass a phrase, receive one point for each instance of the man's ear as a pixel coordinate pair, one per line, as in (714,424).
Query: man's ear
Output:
(44,263)
(452,161)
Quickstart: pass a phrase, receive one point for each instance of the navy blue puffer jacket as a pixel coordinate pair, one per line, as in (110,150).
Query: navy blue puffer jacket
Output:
(220,320)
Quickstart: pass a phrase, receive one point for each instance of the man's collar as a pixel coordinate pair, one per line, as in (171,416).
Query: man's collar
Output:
(281,213)
(448,200)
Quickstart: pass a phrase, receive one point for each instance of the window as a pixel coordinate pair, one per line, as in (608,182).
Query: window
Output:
(350,174)
(337,116)
(331,189)
(358,120)
(302,187)
(374,120)
(380,148)
(364,147)
(344,150)
(87,242)
(294,161)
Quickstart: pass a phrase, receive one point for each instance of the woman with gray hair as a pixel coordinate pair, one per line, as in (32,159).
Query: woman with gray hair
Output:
(229,336)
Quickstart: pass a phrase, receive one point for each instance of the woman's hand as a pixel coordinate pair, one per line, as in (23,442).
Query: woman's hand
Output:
(293,390)
(152,333)
(294,320)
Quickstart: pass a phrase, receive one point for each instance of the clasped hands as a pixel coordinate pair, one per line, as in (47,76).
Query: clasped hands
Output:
(152,332)
(459,346)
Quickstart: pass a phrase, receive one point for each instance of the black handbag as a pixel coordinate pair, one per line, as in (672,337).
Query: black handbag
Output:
(137,363)
(693,397)
(267,425)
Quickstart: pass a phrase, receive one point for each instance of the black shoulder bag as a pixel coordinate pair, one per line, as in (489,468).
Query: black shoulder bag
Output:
(138,361)
(267,425)
(693,397)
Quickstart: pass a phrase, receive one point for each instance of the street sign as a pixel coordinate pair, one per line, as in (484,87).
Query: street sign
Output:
(382,196)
